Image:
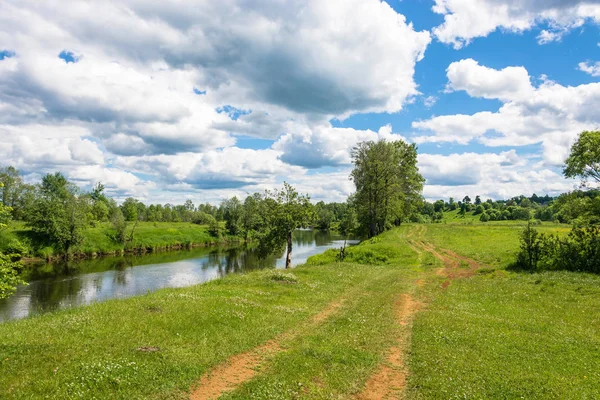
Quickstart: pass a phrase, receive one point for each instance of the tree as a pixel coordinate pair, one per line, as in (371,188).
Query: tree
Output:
(477,200)
(388,183)
(59,212)
(5,213)
(584,159)
(232,214)
(439,205)
(467,200)
(283,212)
(452,204)
(11,187)
(324,216)
(130,209)
(349,223)
(251,218)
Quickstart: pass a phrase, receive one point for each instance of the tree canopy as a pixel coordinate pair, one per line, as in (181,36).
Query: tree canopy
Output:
(584,159)
(388,183)
(283,212)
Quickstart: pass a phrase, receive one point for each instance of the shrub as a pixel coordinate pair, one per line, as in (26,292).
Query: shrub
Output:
(9,278)
(579,251)
(531,248)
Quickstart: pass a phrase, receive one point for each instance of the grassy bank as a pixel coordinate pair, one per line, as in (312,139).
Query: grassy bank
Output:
(91,352)
(502,334)
(495,335)
(148,236)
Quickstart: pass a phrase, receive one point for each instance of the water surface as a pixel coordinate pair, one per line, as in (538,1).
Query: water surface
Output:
(68,284)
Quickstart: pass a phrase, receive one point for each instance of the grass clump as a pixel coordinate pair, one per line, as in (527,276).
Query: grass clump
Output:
(283,277)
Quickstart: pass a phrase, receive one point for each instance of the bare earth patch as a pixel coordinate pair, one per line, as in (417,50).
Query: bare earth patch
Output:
(242,367)
(390,380)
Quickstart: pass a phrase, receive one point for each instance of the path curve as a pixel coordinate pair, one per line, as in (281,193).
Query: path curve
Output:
(242,367)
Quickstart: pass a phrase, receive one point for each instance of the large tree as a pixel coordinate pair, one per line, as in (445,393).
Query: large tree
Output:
(283,211)
(388,183)
(59,213)
(584,160)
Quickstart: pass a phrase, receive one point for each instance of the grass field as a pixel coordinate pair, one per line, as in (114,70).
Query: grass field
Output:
(148,236)
(501,334)
(495,335)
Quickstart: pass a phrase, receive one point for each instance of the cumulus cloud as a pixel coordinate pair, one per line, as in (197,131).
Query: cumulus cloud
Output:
(320,146)
(490,175)
(488,83)
(227,168)
(465,20)
(590,68)
(551,114)
(146,96)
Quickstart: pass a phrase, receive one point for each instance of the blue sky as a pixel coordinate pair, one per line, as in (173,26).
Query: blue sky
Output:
(205,100)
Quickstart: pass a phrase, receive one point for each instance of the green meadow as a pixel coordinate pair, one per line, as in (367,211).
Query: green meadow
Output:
(498,334)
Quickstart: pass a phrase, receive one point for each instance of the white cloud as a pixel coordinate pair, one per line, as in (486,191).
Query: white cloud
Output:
(430,101)
(465,20)
(550,114)
(219,169)
(319,146)
(489,175)
(127,106)
(590,68)
(480,81)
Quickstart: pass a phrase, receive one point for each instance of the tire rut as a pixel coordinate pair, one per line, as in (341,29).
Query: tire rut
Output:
(242,367)
(389,381)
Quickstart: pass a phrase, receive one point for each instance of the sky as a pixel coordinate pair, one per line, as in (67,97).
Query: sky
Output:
(206,99)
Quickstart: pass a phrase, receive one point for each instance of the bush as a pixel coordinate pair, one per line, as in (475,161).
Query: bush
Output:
(531,248)
(484,217)
(9,277)
(579,251)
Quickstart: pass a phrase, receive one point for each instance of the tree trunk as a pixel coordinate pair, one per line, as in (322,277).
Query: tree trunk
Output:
(288,257)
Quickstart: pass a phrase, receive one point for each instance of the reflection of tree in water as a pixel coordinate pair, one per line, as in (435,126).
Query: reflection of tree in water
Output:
(52,285)
(122,263)
(120,277)
(48,294)
(304,237)
(234,260)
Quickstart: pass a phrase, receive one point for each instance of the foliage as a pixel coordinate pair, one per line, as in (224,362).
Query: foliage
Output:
(283,212)
(9,277)
(5,213)
(129,208)
(388,184)
(59,213)
(578,251)
(232,214)
(202,218)
(531,248)
(584,159)
(251,219)
(349,223)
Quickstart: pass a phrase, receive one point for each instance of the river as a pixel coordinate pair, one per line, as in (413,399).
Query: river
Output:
(68,284)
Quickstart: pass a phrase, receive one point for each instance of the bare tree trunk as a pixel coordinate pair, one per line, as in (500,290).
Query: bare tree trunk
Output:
(288,257)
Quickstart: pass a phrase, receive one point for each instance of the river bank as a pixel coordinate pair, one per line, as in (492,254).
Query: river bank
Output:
(148,237)
(404,316)
(70,283)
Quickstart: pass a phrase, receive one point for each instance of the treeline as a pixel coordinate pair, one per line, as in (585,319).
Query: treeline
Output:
(576,207)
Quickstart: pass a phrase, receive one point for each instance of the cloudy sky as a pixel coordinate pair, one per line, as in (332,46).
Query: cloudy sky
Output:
(205,99)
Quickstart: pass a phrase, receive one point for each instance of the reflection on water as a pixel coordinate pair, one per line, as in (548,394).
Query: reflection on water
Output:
(68,284)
